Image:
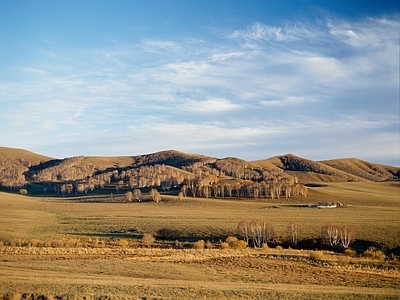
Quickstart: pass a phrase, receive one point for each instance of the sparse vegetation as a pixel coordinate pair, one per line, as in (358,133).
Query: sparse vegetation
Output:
(154,247)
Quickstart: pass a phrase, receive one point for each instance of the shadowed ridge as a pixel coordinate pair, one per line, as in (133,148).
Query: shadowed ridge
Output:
(364,169)
(172,158)
(307,170)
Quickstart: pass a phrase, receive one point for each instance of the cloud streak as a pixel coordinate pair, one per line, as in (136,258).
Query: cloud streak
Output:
(253,92)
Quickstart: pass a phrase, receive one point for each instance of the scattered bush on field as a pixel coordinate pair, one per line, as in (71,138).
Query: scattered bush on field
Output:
(199,245)
(123,243)
(279,248)
(316,255)
(209,245)
(23,191)
(241,244)
(374,254)
(351,253)
(168,233)
(224,245)
(148,239)
(232,241)
(265,246)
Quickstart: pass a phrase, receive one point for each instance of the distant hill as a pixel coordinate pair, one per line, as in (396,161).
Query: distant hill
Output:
(363,169)
(19,167)
(20,155)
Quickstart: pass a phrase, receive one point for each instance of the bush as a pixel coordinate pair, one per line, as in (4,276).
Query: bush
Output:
(168,233)
(23,191)
(123,243)
(199,245)
(265,246)
(148,239)
(279,248)
(232,241)
(351,253)
(209,245)
(316,255)
(241,244)
(374,254)
(224,245)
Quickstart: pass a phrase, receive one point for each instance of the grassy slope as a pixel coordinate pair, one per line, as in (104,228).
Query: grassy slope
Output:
(363,169)
(14,155)
(374,211)
(193,275)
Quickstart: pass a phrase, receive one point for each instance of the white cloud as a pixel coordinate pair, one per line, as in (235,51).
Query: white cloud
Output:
(375,33)
(291,92)
(215,105)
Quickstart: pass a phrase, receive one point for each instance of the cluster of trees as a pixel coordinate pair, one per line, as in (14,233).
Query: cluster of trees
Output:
(337,236)
(73,176)
(12,174)
(281,186)
(260,232)
(64,170)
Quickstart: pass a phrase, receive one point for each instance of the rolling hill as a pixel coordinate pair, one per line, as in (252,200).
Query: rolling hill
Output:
(20,167)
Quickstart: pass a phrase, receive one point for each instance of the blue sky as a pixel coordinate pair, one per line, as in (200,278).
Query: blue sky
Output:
(251,79)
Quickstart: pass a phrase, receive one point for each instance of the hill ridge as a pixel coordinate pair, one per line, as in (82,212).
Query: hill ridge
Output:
(19,166)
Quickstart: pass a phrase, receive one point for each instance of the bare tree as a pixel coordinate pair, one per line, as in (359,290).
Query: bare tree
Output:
(244,230)
(346,235)
(330,235)
(137,194)
(294,232)
(128,196)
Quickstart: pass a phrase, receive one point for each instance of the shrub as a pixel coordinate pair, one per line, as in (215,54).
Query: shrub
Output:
(209,245)
(199,245)
(351,253)
(265,246)
(241,244)
(168,233)
(123,243)
(316,255)
(232,241)
(224,245)
(374,254)
(148,239)
(23,191)
(279,248)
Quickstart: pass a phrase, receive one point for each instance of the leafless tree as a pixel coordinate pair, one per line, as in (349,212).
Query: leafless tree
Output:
(294,232)
(346,235)
(330,234)
(244,230)
(128,196)
(137,194)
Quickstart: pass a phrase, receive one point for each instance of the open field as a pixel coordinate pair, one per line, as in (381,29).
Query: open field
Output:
(138,273)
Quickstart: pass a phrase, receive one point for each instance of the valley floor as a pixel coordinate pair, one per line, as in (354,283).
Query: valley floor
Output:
(89,273)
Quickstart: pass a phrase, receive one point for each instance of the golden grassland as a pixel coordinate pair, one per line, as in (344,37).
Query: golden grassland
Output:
(69,267)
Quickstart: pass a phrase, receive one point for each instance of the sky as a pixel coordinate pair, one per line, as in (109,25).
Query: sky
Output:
(248,79)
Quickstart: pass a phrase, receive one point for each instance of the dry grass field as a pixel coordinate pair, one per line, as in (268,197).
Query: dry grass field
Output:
(67,268)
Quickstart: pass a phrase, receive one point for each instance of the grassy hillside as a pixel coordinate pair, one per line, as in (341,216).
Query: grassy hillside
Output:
(18,156)
(363,169)
(372,210)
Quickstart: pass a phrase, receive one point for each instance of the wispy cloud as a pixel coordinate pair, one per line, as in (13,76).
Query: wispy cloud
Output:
(215,105)
(295,86)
